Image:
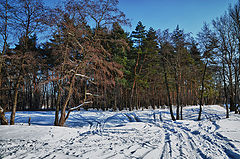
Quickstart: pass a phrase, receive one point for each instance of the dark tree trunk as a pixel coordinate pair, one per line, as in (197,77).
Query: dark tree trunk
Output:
(181,112)
(56,123)
(168,93)
(177,91)
(201,98)
(225,91)
(232,105)
(236,87)
(134,83)
(47,96)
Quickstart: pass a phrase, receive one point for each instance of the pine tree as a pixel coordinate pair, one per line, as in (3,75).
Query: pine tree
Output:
(138,37)
(150,68)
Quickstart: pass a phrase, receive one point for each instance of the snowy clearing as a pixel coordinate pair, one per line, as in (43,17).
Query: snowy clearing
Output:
(137,134)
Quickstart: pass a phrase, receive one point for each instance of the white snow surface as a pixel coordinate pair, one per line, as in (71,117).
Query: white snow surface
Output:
(147,134)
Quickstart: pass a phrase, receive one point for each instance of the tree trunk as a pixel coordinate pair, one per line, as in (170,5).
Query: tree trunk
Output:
(56,122)
(15,102)
(181,112)
(225,91)
(232,106)
(236,87)
(63,111)
(134,83)
(177,91)
(201,98)
(115,99)
(168,93)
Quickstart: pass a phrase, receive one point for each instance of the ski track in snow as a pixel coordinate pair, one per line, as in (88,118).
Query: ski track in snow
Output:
(145,134)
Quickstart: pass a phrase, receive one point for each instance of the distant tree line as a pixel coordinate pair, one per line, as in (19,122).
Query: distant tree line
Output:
(87,58)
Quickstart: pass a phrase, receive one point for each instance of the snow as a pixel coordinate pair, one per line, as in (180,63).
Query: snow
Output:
(147,134)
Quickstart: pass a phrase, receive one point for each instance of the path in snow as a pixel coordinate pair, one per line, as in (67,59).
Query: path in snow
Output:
(115,135)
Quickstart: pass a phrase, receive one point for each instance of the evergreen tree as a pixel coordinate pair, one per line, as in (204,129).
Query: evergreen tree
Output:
(150,67)
(138,37)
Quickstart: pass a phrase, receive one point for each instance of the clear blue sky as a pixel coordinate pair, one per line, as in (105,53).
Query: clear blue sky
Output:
(163,14)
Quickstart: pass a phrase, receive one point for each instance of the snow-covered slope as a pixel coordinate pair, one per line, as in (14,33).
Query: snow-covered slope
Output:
(138,134)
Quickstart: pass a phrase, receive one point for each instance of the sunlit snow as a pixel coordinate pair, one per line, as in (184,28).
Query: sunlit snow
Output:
(144,134)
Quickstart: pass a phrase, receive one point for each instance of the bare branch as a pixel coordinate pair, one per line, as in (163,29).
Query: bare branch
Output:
(83,76)
(77,107)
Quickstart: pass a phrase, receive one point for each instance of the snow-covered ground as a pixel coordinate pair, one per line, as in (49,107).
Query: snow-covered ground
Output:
(137,134)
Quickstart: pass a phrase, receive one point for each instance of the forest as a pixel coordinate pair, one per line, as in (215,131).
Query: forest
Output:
(77,54)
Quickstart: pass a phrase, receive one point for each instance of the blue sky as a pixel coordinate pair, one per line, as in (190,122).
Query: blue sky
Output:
(167,14)
(163,14)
